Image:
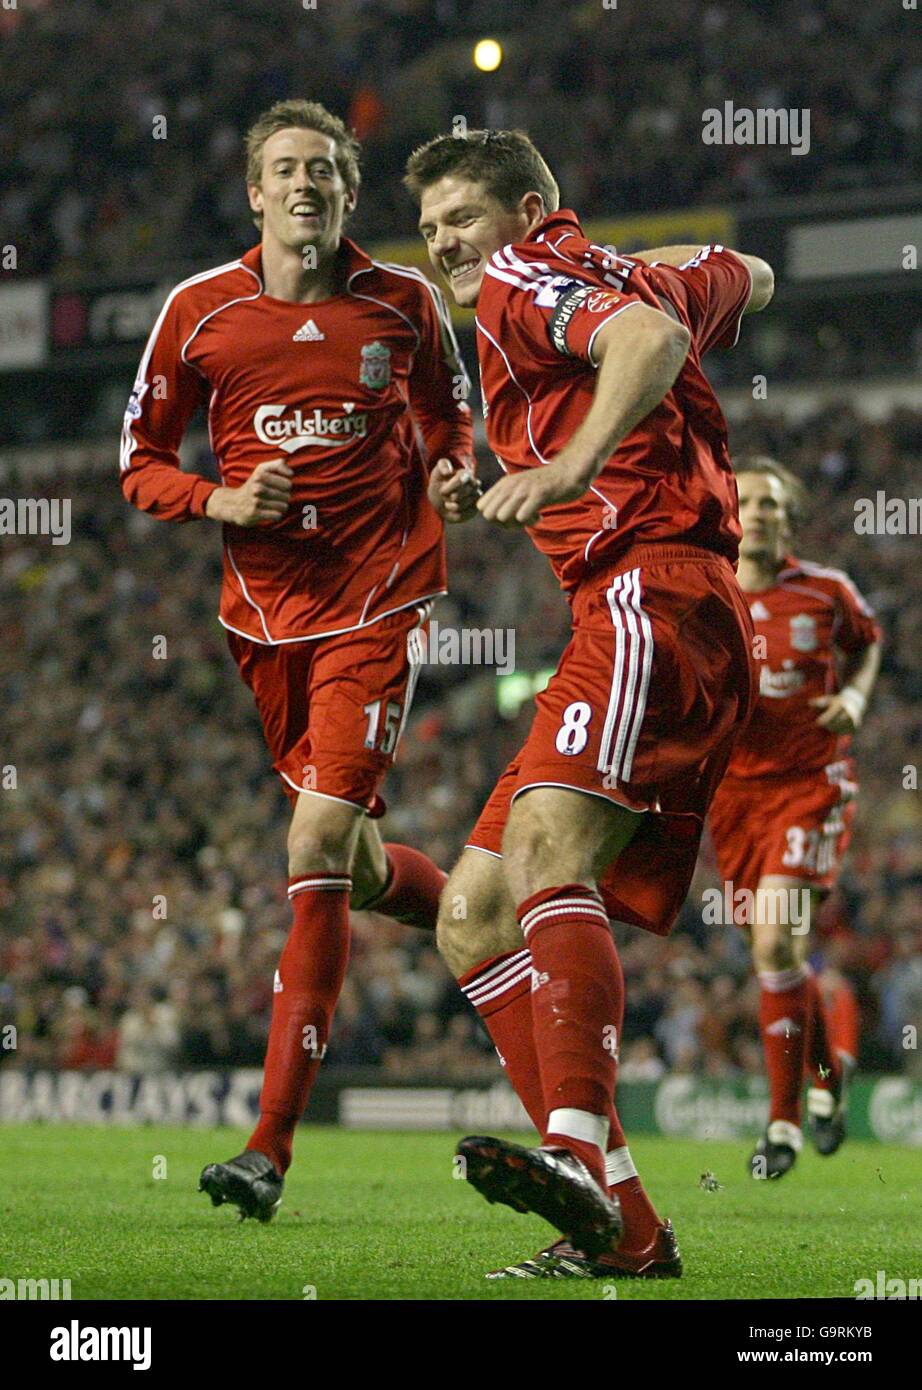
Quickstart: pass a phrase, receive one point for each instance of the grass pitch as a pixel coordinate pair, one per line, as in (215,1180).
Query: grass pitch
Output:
(380,1216)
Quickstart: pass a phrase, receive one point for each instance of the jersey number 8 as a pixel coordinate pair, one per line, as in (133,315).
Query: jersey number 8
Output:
(573,734)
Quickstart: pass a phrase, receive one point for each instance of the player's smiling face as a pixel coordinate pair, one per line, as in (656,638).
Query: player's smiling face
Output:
(463,225)
(763,517)
(301,194)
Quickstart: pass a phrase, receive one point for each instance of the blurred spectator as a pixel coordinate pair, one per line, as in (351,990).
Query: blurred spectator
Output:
(640,1061)
(157,139)
(148,1034)
(142,865)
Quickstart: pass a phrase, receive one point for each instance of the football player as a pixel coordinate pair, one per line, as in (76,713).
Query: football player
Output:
(781,818)
(332,384)
(616,461)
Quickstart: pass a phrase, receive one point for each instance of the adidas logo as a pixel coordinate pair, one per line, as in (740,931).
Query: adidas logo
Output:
(760,613)
(308,333)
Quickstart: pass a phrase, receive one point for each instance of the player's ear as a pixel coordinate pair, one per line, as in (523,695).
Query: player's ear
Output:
(255,195)
(349,201)
(531,206)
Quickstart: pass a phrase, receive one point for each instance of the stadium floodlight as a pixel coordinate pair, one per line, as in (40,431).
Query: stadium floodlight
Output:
(488,55)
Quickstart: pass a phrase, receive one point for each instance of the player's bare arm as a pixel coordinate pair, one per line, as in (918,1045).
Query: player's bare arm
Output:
(263,498)
(763,278)
(640,353)
(843,712)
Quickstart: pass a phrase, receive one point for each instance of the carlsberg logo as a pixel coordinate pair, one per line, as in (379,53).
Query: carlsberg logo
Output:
(290,430)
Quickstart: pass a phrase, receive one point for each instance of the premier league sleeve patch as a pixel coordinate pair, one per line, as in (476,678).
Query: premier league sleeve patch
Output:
(375,372)
(134,408)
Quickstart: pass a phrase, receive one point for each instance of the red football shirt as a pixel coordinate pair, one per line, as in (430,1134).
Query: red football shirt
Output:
(356,392)
(540,307)
(807,615)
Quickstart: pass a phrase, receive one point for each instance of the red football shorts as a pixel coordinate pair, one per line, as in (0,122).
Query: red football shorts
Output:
(333,709)
(794,827)
(644,709)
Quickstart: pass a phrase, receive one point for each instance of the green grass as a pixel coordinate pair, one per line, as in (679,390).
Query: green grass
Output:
(379,1216)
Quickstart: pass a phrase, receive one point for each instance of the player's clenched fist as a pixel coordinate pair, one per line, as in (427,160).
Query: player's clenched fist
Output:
(453,491)
(519,498)
(841,713)
(264,497)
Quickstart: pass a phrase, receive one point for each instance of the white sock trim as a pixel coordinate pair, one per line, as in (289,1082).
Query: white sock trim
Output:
(619,1166)
(820,1104)
(579,1124)
(777,981)
(783,1132)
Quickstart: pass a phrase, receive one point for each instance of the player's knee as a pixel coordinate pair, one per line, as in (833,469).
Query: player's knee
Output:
(318,844)
(773,949)
(459,931)
(451,943)
(321,843)
(475,917)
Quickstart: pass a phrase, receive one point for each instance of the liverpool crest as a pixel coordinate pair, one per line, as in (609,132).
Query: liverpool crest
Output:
(803,633)
(376,366)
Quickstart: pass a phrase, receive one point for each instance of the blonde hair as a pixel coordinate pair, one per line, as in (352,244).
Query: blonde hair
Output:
(302,115)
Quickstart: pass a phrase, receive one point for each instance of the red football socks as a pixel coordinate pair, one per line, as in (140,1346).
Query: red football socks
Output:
(413,890)
(843,1016)
(576,1006)
(307,986)
(822,1058)
(640,1218)
(500,990)
(784,1020)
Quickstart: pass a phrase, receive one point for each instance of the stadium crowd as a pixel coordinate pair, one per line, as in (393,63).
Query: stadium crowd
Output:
(125,168)
(149,103)
(142,865)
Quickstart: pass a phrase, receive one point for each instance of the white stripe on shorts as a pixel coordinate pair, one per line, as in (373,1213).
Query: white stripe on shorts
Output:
(416,655)
(630,679)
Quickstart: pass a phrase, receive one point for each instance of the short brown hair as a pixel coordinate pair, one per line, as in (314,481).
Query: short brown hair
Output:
(795,493)
(303,115)
(504,161)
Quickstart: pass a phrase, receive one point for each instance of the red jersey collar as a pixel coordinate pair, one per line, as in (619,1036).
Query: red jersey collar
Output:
(564,219)
(355,259)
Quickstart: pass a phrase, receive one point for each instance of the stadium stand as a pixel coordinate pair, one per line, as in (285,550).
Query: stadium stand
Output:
(143,779)
(146,779)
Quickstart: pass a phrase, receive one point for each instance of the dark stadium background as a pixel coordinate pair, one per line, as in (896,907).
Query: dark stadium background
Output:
(137,777)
